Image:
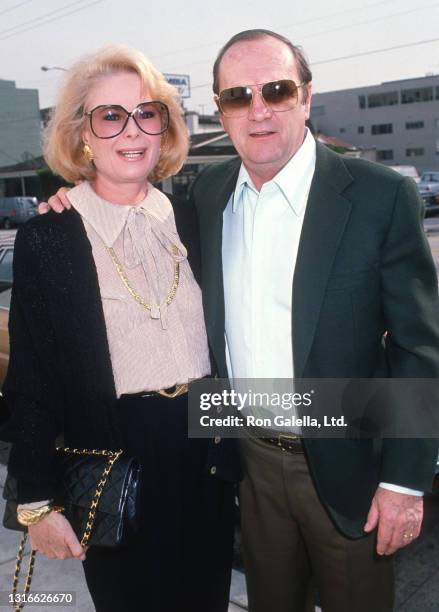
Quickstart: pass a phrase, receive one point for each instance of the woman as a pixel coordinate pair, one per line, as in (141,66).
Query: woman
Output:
(106,327)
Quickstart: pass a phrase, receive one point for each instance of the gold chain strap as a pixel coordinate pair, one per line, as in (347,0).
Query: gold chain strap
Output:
(113,456)
(125,280)
(30,570)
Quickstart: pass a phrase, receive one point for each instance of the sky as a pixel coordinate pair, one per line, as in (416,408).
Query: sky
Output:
(184,36)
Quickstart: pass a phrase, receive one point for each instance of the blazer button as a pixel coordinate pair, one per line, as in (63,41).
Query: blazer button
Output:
(217,439)
(213,470)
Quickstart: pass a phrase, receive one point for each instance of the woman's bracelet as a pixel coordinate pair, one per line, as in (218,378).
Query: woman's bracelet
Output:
(31,517)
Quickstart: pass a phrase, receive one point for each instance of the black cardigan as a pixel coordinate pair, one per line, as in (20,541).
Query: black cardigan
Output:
(60,377)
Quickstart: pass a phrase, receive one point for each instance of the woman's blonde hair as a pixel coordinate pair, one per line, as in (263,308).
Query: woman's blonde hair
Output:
(63,137)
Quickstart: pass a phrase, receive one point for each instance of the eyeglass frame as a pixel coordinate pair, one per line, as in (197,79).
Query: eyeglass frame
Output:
(89,114)
(258,87)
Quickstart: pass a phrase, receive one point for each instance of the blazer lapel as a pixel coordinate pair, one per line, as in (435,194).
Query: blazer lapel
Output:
(325,220)
(211,225)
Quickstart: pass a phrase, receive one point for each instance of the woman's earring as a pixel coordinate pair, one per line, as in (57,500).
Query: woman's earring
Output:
(88,153)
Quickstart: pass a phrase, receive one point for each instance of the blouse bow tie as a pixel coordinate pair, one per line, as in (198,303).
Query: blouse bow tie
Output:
(149,243)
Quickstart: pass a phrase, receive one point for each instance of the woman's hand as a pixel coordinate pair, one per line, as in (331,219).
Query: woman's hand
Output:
(57,202)
(54,537)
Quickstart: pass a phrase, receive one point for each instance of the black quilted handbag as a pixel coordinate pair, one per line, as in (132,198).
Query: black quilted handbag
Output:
(99,493)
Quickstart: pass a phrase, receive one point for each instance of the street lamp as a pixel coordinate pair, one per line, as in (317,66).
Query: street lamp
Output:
(47,68)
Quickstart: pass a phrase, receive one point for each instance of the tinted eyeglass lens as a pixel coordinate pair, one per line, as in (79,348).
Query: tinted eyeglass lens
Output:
(152,117)
(280,95)
(108,121)
(235,100)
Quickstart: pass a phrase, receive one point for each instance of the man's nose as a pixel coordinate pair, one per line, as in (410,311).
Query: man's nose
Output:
(259,109)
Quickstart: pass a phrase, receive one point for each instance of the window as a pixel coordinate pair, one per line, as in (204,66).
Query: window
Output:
(342,130)
(383,99)
(382,128)
(430,177)
(414,125)
(414,152)
(318,111)
(384,155)
(421,94)
(362,101)
(361,129)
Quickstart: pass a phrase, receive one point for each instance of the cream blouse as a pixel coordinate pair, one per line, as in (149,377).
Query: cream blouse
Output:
(150,349)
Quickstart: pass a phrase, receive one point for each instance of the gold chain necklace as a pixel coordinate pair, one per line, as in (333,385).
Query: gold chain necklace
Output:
(125,280)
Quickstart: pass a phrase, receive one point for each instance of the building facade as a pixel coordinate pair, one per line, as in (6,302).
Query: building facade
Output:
(400,119)
(20,124)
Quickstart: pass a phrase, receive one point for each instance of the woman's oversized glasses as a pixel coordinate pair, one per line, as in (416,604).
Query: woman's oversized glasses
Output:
(110,120)
(279,96)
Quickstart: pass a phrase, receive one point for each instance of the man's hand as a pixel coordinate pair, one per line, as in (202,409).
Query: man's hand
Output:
(398,517)
(57,202)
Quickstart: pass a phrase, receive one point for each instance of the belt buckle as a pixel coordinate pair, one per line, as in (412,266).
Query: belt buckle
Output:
(287,437)
(284,439)
(178,390)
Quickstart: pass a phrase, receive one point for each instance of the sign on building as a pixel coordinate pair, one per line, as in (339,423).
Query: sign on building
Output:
(181,82)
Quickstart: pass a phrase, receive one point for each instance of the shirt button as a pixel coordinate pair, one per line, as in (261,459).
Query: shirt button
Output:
(217,439)
(213,470)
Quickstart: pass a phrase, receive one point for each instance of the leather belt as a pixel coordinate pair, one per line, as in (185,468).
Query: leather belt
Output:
(289,443)
(169,393)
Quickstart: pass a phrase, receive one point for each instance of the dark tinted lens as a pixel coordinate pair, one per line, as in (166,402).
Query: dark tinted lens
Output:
(108,121)
(280,95)
(152,117)
(235,101)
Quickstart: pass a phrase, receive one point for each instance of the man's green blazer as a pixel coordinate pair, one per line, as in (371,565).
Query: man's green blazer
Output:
(363,268)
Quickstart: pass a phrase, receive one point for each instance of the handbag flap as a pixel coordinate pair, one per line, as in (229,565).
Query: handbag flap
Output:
(80,475)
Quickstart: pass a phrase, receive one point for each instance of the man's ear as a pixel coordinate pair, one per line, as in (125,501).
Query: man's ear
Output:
(307,103)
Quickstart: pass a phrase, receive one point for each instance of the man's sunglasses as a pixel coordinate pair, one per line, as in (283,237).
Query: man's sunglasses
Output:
(279,96)
(110,120)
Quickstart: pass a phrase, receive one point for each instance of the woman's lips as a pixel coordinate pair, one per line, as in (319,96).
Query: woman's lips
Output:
(132,154)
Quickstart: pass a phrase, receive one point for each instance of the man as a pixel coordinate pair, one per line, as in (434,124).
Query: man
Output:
(308,259)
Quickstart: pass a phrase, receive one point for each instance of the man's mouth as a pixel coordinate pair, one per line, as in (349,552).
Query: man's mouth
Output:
(262,133)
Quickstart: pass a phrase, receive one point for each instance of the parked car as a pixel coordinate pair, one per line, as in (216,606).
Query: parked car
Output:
(5,301)
(429,190)
(430,180)
(17,210)
(407,171)
(6,256)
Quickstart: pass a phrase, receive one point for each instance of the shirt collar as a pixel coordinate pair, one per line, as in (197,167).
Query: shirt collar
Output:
(293,180)
(108,219)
